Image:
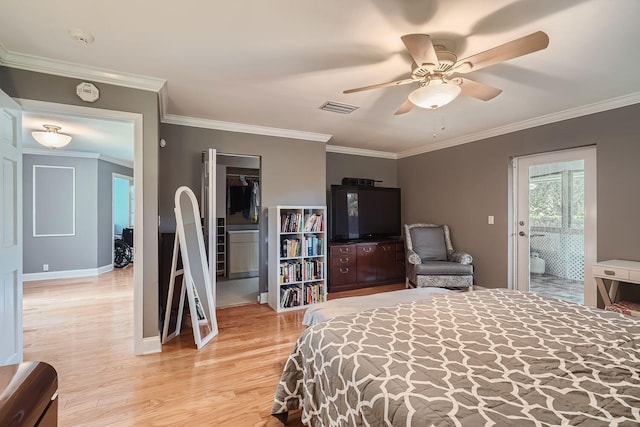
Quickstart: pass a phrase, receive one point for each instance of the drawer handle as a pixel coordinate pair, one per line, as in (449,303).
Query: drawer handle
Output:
(366,249)
(344,260)
(610,272)
(386,248)
(344,250)
(344,270)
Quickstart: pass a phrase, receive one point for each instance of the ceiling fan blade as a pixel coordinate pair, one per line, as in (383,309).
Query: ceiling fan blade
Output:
(478,90)
(522,46)
(421,50)
(380,85)
(404,108)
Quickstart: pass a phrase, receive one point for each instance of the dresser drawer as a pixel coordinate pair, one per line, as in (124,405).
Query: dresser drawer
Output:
(611,272)
(341,275)
(337,251)
(343,261)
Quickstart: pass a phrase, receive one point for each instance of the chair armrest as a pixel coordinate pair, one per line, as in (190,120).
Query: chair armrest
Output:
(460,257)
(413,258)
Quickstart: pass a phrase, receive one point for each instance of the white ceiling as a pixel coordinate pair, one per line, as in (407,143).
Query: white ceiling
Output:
(273,63)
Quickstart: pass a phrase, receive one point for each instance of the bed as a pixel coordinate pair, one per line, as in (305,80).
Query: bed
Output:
(495,357)
(324,311)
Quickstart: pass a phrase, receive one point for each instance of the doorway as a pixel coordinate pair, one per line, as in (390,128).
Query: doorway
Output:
(555,224)
(134,139)
(237,232)
(123,212)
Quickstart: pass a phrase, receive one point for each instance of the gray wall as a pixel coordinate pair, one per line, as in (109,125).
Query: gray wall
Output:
(105,208)
(293,172)
(44,87)
(351,166)
(62,253)
(462,185)
(91,246)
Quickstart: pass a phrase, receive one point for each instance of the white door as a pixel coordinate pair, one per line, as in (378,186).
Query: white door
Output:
(555,224)
(11,231)
(210,219)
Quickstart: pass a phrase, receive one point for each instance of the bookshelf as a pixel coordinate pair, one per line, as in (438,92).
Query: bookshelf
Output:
(298,256)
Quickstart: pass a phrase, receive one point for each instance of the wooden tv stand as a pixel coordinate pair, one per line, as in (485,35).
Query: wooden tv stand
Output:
(354,265)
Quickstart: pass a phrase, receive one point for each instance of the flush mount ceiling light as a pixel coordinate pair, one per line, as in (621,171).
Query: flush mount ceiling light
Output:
(51,138)
(434,95)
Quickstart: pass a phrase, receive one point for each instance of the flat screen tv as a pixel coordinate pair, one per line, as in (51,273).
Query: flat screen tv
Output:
(362,213)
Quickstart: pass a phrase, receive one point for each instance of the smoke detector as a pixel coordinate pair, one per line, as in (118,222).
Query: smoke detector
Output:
(81,37)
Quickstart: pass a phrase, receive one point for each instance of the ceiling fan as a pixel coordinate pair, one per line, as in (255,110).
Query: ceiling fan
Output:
(434,70)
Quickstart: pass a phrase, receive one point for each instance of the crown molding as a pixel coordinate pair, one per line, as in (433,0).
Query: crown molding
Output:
(78,71)
(77,155)
(244,128)
(361,152)
(572,113)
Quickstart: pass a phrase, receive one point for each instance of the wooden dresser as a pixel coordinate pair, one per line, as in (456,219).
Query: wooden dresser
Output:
(362,264)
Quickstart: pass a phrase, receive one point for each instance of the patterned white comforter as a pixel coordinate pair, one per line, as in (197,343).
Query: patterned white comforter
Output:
(495,357)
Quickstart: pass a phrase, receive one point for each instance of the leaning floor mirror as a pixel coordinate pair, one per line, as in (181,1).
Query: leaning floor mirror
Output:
(195,274)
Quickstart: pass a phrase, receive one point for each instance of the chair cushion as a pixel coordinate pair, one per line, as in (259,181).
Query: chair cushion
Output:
(443,268)
(428,242)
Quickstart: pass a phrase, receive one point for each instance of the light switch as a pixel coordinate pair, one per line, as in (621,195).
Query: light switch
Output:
(490,219)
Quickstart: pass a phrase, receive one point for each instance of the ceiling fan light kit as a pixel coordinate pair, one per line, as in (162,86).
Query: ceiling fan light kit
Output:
(434,96)
(50,138)
(434,68)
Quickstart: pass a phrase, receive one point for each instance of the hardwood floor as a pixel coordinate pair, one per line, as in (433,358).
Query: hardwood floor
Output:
(83,327)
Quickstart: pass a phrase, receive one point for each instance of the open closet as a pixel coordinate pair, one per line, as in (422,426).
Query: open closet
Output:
(237,231)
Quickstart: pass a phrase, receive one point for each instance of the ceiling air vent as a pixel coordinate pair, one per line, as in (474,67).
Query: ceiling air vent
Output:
(336,107)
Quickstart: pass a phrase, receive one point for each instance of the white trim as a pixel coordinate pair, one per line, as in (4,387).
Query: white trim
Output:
(78,71)
(67,274)
(244,128)
(263,297)
(35,198)
(589,155)
(139,344)
(361,152)
(150,345)
(77,154)
(68,69)
(138,236)
(120,162)
(610,104)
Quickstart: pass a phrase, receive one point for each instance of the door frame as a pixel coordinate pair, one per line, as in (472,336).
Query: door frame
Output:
(588,154)
(141,345)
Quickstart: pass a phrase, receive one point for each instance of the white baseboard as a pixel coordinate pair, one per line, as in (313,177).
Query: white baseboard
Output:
(263,297)
(149,345)
(66,274)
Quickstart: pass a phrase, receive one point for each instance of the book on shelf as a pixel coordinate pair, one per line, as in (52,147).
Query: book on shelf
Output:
(313,269)
(315,246)
(314,293)
(314,223)
(290,272)
(290,222)
(290,297)
(290,248)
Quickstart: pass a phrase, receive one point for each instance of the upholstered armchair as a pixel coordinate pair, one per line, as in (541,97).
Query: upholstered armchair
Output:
(431,260)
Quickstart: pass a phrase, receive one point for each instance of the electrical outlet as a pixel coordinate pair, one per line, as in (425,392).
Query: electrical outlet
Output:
(490,219)
(45,267)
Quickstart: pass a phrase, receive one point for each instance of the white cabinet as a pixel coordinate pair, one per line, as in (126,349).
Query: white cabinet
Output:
(297,256)
(243,253)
